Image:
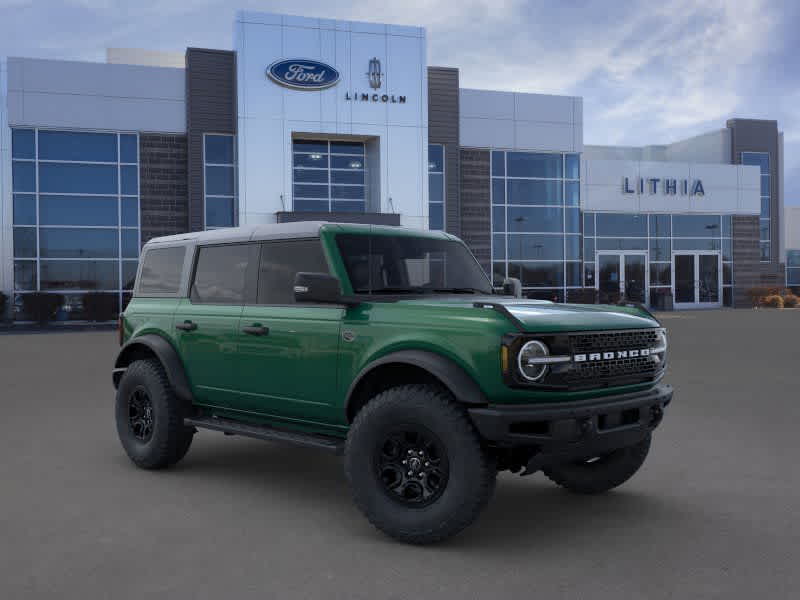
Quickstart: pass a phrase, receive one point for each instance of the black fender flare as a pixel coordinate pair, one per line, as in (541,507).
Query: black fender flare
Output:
(166,354)
(452,375)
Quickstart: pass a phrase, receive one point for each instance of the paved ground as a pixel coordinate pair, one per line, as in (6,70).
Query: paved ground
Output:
(715,513)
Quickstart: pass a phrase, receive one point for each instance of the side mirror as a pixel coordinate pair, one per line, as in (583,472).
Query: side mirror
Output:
(512,287)
(317,287)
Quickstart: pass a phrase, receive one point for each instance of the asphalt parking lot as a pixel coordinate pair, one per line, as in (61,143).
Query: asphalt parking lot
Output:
(715,512)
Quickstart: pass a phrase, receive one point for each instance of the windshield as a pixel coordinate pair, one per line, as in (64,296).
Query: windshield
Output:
(385,264)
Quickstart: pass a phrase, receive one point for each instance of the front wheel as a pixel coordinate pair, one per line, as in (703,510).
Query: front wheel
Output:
(415,465)
(601,473)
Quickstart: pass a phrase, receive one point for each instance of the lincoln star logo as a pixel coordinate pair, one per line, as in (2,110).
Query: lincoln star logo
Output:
(595,356)
(374,74)
(302,74)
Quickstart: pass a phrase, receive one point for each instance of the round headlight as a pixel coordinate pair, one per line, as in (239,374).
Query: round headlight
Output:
(529,367)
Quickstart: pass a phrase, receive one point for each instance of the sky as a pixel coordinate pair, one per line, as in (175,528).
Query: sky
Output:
(649,72)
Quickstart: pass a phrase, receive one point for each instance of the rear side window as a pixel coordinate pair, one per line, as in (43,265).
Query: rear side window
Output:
(219,277)
(280,262)
(161,271)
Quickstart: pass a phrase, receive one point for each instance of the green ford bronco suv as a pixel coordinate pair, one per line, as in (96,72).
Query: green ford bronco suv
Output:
(389,346)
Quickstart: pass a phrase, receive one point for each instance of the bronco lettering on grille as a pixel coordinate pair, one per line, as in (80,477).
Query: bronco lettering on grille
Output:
(594,356)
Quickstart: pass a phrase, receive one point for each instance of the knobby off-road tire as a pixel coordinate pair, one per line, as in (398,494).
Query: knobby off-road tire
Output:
(447,478)
(150,417)
(603,473)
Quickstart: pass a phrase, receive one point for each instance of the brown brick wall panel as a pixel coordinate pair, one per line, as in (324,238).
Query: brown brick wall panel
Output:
(443,128)
(476,218)
(163,186)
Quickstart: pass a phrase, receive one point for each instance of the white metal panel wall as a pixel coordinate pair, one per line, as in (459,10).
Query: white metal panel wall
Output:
(269,114)
(729,189)
(791,227)
(83,95)
(491,119)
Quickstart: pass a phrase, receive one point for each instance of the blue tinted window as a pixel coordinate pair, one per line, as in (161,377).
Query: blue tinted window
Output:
(498,163)
(313,161)
(435,158)
(527,191)
(78,243)
(347,192)
(219,149)
(129,273)
(765,185)
(436,216)
(130,212)
(588,224)
(660,249)
(535,247)
(498,218)
(219,212)
(347,148)
(311,175)
(530,164)
(128,149)
(310,146)
(130,243)
(219,181)
(588,249)
(311,205)
(346,162)
(727,249)
(537,220)
(499,246)
(695,244)
(129,183)
(793,258)
(660,226)
(726,225)
(436,187)
(621,244)
(77,179)
(80,275)
(77,210)
(73,145)
(696,225)
(573,274)
(24,242)
(765,208)
(766,251)
(572,220)
(356,177)
(764,229)
(348,206)
(23,176)
(25,275)
(23,143)
(543,274)
(621,225)
(573,166)
(498,191)
(572,245)
(572,190)
(793,277)
(759,159)
(24,209)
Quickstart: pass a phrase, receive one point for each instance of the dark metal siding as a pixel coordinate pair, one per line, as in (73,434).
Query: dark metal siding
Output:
(746,254)
(163,194)
(443,129)
(210,108)
(476,218)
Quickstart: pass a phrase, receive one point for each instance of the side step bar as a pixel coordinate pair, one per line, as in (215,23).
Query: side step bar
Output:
(265,432)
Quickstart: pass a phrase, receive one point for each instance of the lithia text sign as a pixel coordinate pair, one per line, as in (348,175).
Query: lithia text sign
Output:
(667,186)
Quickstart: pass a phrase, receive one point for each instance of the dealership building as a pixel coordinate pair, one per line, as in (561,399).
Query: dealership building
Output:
(311,119)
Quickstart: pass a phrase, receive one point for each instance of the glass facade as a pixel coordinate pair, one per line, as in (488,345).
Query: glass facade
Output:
(658,235)
(793,268)
(435,186)
(536,221)
(761,160)
(328,176)
(219,168)
(75,215)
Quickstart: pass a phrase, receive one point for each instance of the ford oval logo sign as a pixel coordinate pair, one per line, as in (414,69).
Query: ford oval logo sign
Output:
(303,74)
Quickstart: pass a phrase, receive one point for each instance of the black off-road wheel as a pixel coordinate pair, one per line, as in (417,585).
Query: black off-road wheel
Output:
(601,473)
(150,417)
(416,466)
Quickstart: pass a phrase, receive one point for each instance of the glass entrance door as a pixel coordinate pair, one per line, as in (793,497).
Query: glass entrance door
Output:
(697,279)
(622,276)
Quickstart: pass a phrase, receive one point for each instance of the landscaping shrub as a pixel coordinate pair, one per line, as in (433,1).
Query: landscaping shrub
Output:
(790,301)
(99,306)
(773,301)
(758,295)
(41,306)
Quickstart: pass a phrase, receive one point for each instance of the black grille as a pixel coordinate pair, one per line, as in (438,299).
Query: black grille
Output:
(617,340)
(614,370)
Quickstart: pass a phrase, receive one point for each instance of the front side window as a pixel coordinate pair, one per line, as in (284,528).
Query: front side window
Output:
(388,264)
(219,276)
(281,262)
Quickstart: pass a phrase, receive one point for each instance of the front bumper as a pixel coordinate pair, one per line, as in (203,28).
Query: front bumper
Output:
(565,431)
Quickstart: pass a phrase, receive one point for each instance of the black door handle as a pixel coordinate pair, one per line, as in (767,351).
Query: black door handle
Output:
(186,326)
(256,330)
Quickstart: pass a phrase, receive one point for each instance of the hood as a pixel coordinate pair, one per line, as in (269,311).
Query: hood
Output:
(542,316)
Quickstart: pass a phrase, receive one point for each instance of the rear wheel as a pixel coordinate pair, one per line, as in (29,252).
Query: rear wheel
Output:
(601,473)
(150,417)
(416,466)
